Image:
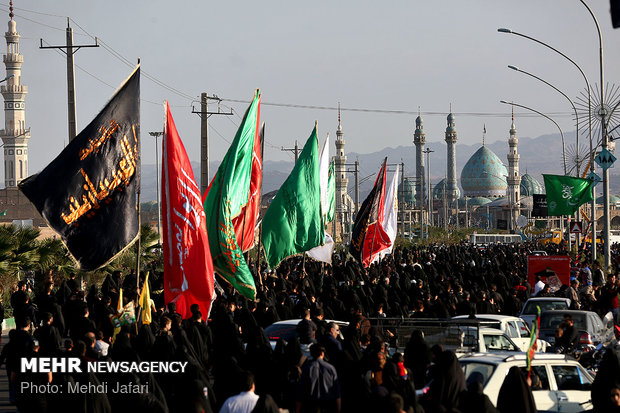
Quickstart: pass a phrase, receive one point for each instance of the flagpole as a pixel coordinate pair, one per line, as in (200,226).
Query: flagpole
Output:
(260,229)
(138,191)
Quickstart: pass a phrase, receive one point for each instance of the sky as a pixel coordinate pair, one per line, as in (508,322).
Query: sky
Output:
(382,61)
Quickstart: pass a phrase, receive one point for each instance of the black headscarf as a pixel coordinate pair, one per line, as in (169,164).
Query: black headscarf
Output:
(606,378)
(448,384)
(515,395)
(473,400)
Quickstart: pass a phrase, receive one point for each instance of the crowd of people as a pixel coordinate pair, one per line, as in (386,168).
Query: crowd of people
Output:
(232,366)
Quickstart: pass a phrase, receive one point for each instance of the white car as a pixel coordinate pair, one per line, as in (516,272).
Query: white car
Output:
(514,327)
(528,314)
(564,384)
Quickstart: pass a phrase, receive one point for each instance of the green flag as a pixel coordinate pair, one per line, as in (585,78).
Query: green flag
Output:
(566,193)
(293,222)
(331,195)
(226,197)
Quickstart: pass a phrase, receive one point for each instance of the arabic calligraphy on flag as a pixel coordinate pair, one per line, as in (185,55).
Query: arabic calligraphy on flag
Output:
(88,194)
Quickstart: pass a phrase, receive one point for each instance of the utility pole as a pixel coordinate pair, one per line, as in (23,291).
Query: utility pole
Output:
(69,49)
(204,136)
(295,150)
(401,198)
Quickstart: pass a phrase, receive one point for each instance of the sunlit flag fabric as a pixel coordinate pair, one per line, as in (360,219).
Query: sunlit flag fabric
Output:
(368,236)
(390,213)
(293,223)
(188,269)
(228,197)
(88,194)
(324,252)
(145,302)
(565,194)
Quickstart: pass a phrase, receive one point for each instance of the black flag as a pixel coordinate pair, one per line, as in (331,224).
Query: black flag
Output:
(88,194)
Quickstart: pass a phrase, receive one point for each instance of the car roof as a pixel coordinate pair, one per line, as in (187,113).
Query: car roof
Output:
(295,321)
(500,358)
(548,299)
(495,317)
(568,312)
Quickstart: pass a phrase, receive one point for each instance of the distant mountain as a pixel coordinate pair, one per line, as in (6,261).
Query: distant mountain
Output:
(538,155)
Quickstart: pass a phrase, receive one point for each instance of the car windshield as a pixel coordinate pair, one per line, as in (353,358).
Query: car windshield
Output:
(544,305)
(485,369)
(281,331)
(553,320)
(523,330)
(496,342)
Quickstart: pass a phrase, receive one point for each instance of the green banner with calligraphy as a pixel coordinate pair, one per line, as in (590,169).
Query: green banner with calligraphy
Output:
(88,194)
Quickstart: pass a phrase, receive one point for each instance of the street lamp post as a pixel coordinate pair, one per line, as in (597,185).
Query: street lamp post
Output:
(554,122)
(157,135)
(593,213)
(571,103)
(605,142)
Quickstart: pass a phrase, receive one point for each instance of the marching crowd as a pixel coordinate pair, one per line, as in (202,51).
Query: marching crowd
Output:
(232,367)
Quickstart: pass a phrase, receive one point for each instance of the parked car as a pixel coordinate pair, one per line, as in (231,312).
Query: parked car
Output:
(286,330)
(592,330)
(514,327)
(564,384)
(528,314)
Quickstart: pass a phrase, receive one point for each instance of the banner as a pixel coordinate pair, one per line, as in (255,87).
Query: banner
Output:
(88,194)
(566,193)
(188,269)
(539,205)
(553,270)
(390,215)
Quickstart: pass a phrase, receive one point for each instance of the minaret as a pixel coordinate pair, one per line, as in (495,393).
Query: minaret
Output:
(15,136)
(419,140)
(513,179)
(451,188)
(342,182)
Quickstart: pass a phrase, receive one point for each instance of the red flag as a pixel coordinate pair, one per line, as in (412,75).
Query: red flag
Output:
(245,222)
(369,237)
(188,268)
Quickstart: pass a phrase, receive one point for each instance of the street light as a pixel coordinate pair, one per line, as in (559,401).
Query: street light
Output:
(605,142)
(593,205)
(555,123)
(157,135)
(569,100)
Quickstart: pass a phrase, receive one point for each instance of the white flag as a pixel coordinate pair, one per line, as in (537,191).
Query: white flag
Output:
(390,214)
(323,252)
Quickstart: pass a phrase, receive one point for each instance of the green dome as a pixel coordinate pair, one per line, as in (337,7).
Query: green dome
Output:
(484,175)
(613,200)
(409,192)
(530,186)
(474,202)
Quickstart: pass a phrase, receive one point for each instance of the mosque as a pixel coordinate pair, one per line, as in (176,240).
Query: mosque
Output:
(494,194)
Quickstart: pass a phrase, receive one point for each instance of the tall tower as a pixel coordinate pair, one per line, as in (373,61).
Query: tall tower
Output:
(419,140)
(15,136)
(451,187)
(513,179)
(343,214)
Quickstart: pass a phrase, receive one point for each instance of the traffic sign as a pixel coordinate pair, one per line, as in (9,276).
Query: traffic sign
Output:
(575,227)
(605,159)
(594,178)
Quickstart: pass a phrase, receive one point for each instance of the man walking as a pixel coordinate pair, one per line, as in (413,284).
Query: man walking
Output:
(319,389)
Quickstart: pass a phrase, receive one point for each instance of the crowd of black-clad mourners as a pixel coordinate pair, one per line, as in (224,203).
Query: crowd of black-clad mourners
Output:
(231,365)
